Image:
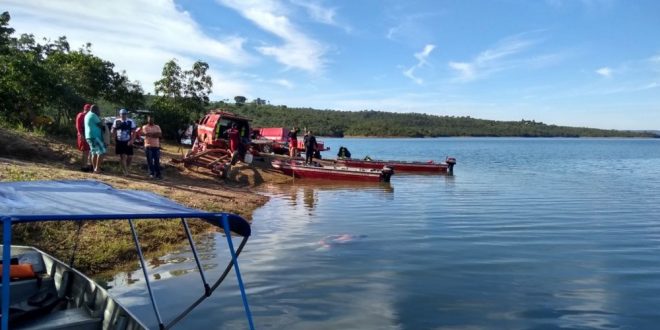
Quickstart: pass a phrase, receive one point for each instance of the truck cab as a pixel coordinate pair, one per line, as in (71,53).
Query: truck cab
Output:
(212,129)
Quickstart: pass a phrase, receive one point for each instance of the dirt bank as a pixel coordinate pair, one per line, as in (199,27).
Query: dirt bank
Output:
(25,156)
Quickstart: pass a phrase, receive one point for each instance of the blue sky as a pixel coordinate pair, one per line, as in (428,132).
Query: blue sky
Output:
(592,63)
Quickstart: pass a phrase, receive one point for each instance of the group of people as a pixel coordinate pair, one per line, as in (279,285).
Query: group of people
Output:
(309,141)
(91,142)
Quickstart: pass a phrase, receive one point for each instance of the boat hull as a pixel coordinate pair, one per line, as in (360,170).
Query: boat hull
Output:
(83,304)
(298,170)
(399,166)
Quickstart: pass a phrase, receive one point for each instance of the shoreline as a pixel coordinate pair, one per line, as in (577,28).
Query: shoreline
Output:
(107,245)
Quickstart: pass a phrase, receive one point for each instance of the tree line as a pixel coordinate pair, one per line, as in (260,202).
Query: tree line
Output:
(387,124)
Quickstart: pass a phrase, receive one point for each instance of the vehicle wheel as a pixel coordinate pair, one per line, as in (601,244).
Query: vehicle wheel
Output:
(266,148)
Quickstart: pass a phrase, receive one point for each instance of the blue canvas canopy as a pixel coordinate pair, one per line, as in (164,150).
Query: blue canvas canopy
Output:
(80,200)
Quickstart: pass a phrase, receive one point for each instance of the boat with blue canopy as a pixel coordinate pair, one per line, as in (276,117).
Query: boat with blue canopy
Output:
(42,292)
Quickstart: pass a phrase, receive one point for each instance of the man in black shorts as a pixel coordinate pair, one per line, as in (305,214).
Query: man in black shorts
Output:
(124,131)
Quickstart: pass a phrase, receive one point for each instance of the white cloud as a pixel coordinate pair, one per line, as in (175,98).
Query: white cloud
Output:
(421,61)
(298,51)
(651,85)
(504,48)
(284,83)
(605,72)
(321,14)
(654,62)
(466,70)
(589,4)
(391,32)
(501,57)
(139,36)
(411,28)
(410,74)
(421,56)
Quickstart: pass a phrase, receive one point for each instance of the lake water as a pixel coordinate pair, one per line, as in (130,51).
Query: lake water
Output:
(527,234)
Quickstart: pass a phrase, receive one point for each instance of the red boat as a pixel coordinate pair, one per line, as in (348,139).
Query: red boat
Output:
(400,166)
(340,173)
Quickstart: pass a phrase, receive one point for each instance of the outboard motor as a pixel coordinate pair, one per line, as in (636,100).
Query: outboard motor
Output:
(386,173)
(451,161)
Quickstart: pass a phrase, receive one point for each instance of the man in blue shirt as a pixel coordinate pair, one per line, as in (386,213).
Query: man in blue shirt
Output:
(94,136)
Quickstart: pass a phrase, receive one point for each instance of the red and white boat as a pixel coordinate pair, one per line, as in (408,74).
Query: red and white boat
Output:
(401,166)
(298,169)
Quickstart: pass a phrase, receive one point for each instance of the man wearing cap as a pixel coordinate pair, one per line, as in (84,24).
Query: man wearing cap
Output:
(85,164)
(124,130)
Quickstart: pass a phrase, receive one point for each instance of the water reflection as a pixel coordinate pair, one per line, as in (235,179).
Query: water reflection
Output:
(309,198)
(178,262)
(323,185)
(308,191)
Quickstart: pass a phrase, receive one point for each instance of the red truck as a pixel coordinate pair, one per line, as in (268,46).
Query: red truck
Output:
(279,137)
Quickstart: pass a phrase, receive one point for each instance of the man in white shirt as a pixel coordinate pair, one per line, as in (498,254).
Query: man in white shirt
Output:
(124,130)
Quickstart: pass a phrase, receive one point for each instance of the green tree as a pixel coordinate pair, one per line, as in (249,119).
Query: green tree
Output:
(181,96)
(240,100)
(198,87)
(50,79)
(5,32)
(171,84)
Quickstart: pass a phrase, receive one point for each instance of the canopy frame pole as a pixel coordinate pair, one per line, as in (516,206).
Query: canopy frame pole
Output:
(146,275)
(248,313)
(6,270)
(207,287)
(75,244)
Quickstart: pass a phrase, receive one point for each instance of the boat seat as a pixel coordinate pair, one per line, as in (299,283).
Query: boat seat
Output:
(69,319)
(35,306)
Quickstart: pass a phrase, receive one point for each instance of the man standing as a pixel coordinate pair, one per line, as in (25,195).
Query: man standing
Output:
(293,142)
(152,135)
(124,131)
(234,138)
(83,146)
(94,136)
(310,147)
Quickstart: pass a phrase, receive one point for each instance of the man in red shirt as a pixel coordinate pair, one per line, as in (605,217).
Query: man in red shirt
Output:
(293,142)
(234,138)
(82,143)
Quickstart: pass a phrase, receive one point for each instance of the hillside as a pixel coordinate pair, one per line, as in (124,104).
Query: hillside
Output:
(388,124)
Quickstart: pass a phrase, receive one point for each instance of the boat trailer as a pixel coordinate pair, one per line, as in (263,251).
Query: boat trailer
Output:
(217,160)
